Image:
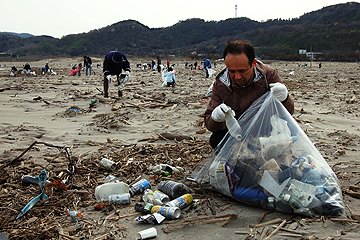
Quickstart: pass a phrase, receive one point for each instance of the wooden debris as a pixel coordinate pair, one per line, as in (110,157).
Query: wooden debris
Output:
(274,221)
(220,220)
(276,230)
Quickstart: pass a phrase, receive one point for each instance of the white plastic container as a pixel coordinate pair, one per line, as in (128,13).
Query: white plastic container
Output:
(276,139)
(103,191)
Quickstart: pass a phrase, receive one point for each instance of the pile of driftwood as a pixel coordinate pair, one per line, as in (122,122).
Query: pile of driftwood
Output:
(74,179)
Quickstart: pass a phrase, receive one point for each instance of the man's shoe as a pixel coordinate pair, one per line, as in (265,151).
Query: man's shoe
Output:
(106,95)
(120,93)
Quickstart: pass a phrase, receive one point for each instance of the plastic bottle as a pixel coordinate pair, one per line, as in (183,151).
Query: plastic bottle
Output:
(292,200)
(151,197)
(139,187)
(168,212)
(233,125)
(181,202)
(103,191)
(276,139)
(249,194)
(270,204)
(173,189)
(106,163)
(162,168)
(123,198)
(26,180)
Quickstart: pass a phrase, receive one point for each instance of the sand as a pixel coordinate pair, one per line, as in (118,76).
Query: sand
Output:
(38,108)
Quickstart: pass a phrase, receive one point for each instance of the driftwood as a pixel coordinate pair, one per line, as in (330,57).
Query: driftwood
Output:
(220,220)
(176,137)
(274,221)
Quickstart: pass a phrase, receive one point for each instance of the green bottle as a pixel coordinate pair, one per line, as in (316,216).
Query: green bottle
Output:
(292,200)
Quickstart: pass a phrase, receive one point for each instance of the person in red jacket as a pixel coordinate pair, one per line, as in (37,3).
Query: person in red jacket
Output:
(243,81)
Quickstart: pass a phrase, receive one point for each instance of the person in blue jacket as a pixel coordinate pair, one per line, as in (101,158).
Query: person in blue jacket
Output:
(115,62)
(170,77)
(207,65)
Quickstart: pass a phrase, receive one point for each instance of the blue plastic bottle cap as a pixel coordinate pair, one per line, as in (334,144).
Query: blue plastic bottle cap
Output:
(294,138)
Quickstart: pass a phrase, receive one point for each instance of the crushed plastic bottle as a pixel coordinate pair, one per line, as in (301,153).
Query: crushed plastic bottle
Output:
(163,168)
(150,197)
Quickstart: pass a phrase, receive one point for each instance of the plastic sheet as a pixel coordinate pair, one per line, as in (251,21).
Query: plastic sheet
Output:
(273,165)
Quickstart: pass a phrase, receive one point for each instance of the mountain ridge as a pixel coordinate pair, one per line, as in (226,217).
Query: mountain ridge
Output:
(332,30)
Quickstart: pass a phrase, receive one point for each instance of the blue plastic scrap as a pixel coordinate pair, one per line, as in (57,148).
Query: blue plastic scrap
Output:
(42,195)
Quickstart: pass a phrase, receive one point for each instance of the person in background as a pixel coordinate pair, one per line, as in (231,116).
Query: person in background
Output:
(195,65)
(76,70)
(88,65)
(45,69)
(152,65)
(27,69)
(114,63)
(79,68)
(168,64)
(242,82)
(207,65)
(158,64)
(170,77)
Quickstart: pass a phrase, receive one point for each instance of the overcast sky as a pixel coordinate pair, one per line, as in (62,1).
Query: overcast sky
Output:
(59,18)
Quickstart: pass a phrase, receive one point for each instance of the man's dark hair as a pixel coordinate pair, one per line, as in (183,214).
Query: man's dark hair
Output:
(239,47)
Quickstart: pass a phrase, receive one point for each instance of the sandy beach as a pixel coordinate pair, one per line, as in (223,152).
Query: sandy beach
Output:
(62,114)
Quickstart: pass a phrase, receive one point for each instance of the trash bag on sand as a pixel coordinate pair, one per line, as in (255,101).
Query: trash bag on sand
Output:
(273,165)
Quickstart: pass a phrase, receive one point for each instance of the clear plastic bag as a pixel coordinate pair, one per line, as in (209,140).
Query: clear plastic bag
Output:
(274,165)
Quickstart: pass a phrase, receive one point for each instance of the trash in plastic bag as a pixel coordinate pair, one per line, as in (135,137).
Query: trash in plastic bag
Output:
(211,71)
(274,165)
(210,89)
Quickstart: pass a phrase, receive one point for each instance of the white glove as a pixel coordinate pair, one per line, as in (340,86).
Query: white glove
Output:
(127,73)
(218,114)
(108,77)
(279,90)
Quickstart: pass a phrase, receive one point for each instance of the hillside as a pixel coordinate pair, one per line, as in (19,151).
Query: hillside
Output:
(333,30)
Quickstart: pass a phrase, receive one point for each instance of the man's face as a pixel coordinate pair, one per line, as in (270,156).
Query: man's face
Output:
(239,69)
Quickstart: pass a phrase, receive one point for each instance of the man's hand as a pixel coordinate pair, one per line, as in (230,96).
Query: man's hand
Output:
(219,113)
(279,90)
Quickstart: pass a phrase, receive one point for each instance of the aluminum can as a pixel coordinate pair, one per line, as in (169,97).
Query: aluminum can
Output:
(181,202)
(168,212)
(123,199)
(106,163)
(139,187)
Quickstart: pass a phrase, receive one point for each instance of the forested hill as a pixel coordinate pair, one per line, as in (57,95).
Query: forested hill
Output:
(332,30)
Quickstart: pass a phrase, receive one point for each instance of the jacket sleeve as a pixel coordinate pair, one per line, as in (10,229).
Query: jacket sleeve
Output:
(107,66)
(215,101)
